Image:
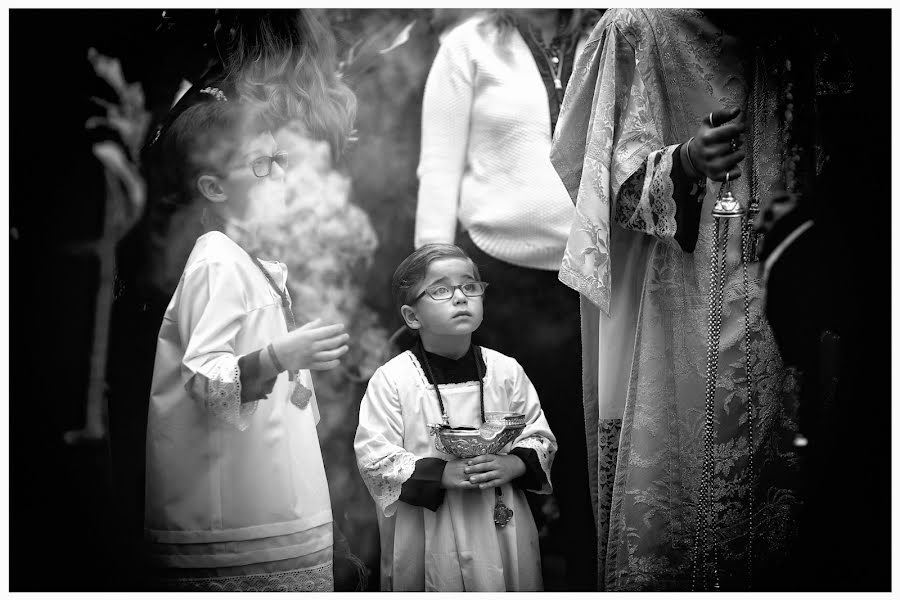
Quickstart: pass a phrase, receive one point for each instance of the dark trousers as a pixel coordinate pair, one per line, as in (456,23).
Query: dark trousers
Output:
(531,316)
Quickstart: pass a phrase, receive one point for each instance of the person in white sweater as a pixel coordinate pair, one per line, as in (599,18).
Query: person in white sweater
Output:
(487,184)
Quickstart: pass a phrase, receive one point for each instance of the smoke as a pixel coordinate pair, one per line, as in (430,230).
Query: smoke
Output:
(328,244)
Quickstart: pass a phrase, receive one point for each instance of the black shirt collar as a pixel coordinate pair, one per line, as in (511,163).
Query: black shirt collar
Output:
(448,370)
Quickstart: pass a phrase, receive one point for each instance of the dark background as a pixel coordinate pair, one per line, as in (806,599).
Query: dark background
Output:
(69,525)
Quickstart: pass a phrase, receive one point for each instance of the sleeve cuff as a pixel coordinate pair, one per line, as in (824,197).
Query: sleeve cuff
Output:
(534,478)
(423,488)
(688,194)
(253,386)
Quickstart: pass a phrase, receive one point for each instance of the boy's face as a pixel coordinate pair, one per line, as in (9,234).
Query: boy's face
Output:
(250,197)
(460,315)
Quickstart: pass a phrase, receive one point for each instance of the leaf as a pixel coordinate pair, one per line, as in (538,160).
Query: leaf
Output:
(401,38)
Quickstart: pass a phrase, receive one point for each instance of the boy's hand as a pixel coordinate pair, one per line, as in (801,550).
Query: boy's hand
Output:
(312,346)
(493,470)
(454,477)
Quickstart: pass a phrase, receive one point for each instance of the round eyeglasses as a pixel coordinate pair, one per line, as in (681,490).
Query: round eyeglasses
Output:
(470,289)
(262,166)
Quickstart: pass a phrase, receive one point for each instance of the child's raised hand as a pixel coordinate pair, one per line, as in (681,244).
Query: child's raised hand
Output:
(493,470)
(454,477)
(312,346)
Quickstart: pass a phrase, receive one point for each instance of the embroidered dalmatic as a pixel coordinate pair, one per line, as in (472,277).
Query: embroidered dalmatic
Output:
(236,495)
(456,547)
(641,87)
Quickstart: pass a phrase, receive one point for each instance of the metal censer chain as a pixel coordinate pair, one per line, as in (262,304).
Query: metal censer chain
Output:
(705,571)
(704,567)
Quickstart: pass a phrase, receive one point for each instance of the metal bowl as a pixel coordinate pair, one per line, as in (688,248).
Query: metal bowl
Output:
(498,430)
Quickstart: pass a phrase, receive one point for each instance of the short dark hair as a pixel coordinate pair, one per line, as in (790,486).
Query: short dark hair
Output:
(204,139)
(412,270)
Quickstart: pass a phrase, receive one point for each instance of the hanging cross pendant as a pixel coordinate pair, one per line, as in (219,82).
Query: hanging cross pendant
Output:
(301,395)
(502,513)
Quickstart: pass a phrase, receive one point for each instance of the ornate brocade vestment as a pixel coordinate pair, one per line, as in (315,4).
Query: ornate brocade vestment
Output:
(641,88)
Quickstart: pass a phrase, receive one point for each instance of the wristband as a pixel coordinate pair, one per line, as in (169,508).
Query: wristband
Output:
(274,357)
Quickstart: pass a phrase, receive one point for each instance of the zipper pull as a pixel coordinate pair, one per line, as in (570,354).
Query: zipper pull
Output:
(557,83)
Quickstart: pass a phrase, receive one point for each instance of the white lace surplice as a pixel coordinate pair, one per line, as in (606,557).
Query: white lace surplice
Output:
(233,490)
(641,87)
(458,547)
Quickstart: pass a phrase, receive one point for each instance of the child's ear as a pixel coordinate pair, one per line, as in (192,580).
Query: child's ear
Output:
(409,316)
(211,188)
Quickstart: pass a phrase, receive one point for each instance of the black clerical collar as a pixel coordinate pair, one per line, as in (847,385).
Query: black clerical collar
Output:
(449,370)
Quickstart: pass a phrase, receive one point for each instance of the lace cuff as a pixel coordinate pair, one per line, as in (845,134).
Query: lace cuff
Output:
(689,194)
(661,194)
(221,394)
(545,453)
(646,201)
(384,478)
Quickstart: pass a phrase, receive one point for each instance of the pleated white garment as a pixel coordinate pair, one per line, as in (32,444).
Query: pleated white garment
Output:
(458,547)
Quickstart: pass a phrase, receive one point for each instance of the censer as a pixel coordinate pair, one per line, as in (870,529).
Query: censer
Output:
(727,206)
(496,431)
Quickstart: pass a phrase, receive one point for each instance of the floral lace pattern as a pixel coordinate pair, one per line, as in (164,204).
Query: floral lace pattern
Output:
(314,579)
(608,446)
(646,201)
(385,478)
(677,67)
(545,453)
(221,394)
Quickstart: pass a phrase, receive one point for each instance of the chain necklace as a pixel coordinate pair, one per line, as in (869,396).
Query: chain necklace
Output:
(301,395)
(285,301)
(552,53)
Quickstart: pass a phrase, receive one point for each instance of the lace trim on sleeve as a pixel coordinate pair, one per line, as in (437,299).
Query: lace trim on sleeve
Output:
(646,201)
(545,452)
(661,194)
(385,477)
(221,395)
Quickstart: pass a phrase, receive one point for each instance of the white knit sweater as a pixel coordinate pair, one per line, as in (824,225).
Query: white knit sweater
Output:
(486,152)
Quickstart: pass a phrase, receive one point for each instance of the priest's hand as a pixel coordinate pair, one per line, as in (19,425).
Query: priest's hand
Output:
(454,476)
(716,147)
(493,470)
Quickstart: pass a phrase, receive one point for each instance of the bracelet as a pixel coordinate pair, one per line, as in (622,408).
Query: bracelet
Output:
(274,358)
(687,151)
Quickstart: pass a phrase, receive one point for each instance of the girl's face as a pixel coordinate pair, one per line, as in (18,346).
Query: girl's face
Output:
(255,183)
(460,315)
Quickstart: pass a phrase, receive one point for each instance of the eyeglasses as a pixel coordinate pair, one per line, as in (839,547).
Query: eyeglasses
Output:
(471,289)
(262,166)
